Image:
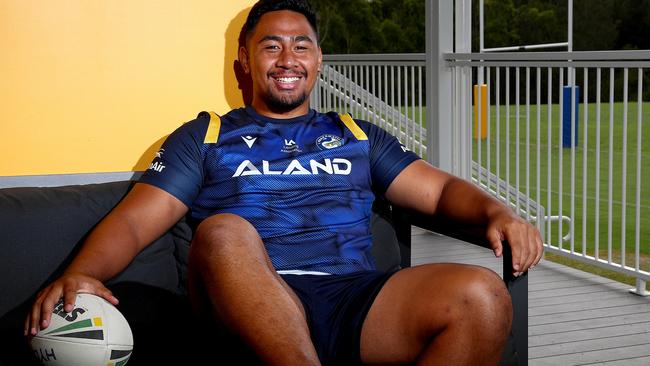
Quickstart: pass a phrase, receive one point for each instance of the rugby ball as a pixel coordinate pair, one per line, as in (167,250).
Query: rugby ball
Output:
(94,333)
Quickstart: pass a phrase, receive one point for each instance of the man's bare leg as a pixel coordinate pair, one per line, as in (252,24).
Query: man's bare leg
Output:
(229,263)
(438,314)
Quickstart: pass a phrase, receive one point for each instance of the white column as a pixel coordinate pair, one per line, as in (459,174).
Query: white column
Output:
(439,40)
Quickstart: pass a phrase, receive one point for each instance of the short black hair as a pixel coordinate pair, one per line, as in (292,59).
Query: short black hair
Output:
(265,6)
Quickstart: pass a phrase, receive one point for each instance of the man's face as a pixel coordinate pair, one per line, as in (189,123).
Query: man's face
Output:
(283,57)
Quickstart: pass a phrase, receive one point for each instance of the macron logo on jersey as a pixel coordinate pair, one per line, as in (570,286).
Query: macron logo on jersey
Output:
(328,166)
(249,140)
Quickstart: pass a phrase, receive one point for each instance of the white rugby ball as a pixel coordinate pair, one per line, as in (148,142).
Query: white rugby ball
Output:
(94,333)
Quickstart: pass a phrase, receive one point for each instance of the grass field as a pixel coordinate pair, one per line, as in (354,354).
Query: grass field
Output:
(602,217)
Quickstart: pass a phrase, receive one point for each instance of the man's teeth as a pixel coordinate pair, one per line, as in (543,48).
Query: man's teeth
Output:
(287,80)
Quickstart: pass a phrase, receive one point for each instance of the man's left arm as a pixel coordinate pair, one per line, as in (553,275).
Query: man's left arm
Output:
(428,190)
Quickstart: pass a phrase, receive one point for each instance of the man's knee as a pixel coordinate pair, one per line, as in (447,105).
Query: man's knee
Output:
(487,282)
(484,293)
(222,228)
(221,233)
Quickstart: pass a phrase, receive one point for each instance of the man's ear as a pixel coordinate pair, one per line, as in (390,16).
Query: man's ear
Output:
(243,59)
(320,59)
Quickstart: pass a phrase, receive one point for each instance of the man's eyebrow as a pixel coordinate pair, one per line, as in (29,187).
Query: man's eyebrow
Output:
(303,38)
(271,38)
(300,38)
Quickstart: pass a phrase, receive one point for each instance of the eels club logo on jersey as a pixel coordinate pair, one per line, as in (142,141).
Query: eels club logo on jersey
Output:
(326,142)
(337,166)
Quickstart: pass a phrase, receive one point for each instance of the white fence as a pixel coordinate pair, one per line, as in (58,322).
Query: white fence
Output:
(387,90)
(584,166)
(583,178)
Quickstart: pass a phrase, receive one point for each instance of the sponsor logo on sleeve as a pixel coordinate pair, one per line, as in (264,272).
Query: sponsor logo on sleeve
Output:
(158,166)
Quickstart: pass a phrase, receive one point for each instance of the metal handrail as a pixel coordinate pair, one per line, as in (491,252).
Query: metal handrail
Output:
(341,82)
(642,55)
(536,213)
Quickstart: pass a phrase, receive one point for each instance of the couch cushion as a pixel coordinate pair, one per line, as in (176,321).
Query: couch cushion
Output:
(43,228)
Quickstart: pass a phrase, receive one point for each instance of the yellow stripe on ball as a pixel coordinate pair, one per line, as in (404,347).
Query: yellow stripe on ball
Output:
(98,322)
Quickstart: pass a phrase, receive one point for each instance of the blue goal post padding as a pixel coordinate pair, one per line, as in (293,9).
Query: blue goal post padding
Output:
(566,115)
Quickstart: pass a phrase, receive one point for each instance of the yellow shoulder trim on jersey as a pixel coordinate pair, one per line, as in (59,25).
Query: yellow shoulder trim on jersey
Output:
(212,135)
(353,127)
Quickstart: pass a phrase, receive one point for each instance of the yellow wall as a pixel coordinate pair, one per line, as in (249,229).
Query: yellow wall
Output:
(95,85)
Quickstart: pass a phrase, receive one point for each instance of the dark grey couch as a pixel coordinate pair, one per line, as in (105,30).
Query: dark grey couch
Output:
(41,229)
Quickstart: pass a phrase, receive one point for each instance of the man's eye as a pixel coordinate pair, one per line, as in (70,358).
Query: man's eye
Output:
(272,47)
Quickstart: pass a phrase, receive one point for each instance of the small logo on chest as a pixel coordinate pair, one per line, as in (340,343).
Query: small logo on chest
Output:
(249,140)
(290,146)
(326,142)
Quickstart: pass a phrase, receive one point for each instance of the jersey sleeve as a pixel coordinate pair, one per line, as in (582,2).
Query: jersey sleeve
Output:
(388,157)
(177,167)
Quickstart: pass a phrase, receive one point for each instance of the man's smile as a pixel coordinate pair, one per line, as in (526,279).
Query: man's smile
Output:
(286,82)
(287,79)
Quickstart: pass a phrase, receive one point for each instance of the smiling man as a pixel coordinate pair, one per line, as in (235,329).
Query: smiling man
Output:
(281,82)
(280,199)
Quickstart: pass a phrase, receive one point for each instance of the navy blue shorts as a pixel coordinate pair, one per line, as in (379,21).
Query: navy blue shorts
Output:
(336,307)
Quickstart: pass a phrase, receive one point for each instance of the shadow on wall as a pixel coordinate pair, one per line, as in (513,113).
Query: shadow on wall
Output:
(145,159)
(235,76)
(238,87)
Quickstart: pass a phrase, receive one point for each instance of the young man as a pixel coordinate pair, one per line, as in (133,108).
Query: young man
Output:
(280,197)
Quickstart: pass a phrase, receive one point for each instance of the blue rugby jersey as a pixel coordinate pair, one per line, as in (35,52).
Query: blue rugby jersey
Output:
(306,184)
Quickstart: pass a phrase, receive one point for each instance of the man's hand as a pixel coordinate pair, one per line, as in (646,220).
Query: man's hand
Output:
(67,286)
(524,240)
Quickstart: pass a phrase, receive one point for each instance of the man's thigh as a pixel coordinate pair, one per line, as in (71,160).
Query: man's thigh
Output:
(227,248)
(204,308)
(416,304)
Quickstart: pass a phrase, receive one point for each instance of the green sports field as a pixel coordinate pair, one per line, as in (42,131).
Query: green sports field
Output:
(603,216)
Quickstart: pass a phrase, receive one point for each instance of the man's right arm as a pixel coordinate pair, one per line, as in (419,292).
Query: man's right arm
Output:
(142,216)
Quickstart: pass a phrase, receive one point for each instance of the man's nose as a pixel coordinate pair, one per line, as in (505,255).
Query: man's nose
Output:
(286,59)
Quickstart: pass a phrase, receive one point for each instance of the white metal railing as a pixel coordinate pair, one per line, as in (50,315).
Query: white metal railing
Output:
(590,198)
(525,206)
(387,90)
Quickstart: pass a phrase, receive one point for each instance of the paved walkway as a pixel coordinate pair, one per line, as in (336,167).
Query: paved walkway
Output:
(574,317)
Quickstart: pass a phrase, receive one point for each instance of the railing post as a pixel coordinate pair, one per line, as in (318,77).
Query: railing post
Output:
(640,288)
(439,40)
(462,106)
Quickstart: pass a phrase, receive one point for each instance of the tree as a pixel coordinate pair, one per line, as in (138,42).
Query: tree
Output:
(499,27)
(379,26)
(398,26)
(595,25)
(634,25)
